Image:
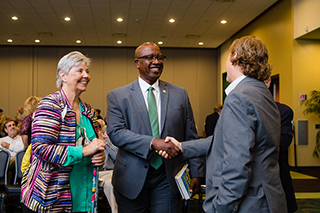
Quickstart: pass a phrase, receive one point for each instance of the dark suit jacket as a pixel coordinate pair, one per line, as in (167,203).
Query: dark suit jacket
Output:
(211,121)
(242,161)
(286,114)
(129,129)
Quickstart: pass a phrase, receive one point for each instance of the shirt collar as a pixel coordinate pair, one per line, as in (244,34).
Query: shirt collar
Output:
(145,86)
(234,84)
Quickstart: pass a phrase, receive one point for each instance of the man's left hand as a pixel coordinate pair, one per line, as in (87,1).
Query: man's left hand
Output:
(195,185)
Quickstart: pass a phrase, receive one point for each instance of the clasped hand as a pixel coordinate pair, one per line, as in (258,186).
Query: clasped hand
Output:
(96,150)
(167,148)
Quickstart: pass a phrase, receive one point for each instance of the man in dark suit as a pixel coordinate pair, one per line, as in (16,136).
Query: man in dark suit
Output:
(211,120)
(242,160)
(286,115)
(139,185)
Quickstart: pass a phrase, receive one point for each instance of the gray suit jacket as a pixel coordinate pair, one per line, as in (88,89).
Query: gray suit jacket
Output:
(129,129)
(242,161)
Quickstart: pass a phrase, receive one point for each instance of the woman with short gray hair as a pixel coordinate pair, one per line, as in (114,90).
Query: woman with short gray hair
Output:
(64,142)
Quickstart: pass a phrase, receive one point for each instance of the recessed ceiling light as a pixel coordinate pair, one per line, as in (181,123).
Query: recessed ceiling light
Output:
(119,42)
(78,41)
(172,20)
(9,40)
(160,42)
(223,22)
(119,19)
(200,43)
(37,41)
(67,18)
(14,18)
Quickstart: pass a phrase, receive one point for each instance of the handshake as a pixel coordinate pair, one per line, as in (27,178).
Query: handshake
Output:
(167,148)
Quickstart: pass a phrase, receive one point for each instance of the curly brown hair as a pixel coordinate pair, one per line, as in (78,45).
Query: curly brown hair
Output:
(252,56)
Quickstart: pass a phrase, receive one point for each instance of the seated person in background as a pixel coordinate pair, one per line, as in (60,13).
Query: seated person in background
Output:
(98,111)
(19,128)
(105,176)
(20,115)
(13,143)
(211,120)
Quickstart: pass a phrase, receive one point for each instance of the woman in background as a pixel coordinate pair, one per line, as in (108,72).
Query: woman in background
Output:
(59,178)
(30,106)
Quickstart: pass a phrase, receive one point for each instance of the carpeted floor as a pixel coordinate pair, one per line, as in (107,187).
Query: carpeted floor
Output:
(306,182)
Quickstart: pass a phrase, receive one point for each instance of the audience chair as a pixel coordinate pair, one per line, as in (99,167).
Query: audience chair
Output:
(14,190)
(4,164)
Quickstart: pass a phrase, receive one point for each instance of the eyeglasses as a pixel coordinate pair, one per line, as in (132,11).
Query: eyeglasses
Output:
(160,58)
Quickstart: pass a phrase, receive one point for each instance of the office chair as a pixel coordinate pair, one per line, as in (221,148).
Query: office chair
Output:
(14,190)
(4,165)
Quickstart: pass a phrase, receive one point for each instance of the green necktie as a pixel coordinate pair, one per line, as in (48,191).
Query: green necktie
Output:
(156,160)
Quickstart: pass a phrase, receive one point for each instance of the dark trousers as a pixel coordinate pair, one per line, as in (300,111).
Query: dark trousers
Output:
(156,196)
(26,209)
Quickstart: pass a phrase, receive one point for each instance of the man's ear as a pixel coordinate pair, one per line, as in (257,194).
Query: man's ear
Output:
(136,62)
(268,82)
(234,54)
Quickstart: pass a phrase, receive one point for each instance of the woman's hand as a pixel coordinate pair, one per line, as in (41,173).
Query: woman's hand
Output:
(98,159)
(93,147)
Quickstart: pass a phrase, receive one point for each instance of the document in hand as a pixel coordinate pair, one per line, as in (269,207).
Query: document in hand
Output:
(183,182)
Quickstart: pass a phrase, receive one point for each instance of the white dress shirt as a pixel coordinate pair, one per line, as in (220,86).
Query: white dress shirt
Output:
(144,86)
(16,144)
(234,84)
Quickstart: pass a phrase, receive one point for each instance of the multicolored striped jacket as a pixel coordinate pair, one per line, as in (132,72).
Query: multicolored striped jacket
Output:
(45,185)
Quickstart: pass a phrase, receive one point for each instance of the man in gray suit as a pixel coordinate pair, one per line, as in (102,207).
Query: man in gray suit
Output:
(138,184)
(242,159)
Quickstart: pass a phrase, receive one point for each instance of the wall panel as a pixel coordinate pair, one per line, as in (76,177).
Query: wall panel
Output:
(193,69)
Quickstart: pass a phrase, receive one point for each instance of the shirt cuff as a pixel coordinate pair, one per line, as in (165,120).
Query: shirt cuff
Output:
(74,155)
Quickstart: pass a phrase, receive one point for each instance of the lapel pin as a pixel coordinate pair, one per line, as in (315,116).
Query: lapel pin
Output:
(164,91)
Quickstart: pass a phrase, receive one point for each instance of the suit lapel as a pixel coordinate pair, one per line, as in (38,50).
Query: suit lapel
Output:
(164,95)
(139,101)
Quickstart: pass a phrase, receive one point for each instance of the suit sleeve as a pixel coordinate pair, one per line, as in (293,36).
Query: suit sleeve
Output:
(239,121)
(196,148)
(195,164)
(118,122)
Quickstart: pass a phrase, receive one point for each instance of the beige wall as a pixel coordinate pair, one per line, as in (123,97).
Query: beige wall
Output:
(27,71)
(306,16)
(296,62)
(306,77)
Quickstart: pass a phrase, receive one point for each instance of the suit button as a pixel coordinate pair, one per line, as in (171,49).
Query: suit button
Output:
(146,166)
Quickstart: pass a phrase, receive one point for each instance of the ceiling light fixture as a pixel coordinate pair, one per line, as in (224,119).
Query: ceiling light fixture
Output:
(119,42)
(9,40)
(223,22)
(200,43)
(37,41)
(14,18)
(67,18)
(119,19)
(160,42)
(172,20)
(78,41)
